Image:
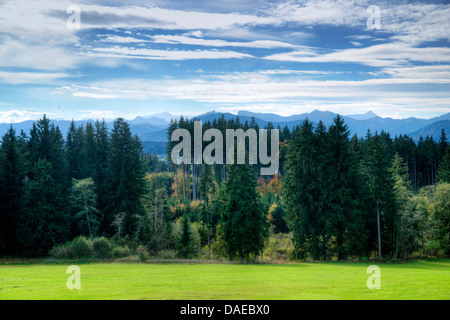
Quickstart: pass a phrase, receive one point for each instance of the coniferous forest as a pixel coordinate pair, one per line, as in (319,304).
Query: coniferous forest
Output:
(94,194)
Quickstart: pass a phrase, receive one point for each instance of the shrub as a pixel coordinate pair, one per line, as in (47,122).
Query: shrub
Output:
(278,247)
(80,248)
(121,252)
(218,247)
(59,252)
(102,248)
(167,254)
(143,254)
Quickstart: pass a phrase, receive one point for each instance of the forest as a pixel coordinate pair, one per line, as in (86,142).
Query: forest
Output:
(94,194)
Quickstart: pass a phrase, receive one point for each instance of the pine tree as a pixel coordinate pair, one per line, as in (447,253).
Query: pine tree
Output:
(184,245)
(345,221)
(89,150)
(304,190)
(443,144)
(45,220)
(244,225)
(125,177)
(100,175)
(45,203)
(13,168)
(46,142)
(444,167)
(75,151)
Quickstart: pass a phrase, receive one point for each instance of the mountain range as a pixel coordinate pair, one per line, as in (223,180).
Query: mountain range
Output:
(152,130)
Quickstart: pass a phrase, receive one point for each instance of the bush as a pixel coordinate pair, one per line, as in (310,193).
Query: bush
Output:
(102,248)
(143,254)
(80,248)
(59,252)
(121,252)
(278,247)
(218,247)
(167,254)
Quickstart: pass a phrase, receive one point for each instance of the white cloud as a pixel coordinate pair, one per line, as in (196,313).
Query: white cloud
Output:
(14,116)
(30,77)
(195,33)
(319,12)
(119,39)
(416,22)
(153,54)
(93,95)
(381,55)
(18,54)
(265,88)
(171,39)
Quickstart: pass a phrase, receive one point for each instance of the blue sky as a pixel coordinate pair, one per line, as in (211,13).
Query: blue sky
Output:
(131,58)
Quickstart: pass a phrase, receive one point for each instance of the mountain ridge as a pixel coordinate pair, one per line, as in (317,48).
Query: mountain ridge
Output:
(154,128)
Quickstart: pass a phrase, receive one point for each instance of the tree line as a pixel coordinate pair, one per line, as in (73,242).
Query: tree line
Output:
(53,189)
(335,196)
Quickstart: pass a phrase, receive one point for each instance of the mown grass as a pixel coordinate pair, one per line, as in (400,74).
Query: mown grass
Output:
(414,280)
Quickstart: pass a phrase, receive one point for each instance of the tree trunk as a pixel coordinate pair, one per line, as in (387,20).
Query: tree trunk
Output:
(176,180)
(184,183)
(379,229)
(88,222)
(189,185)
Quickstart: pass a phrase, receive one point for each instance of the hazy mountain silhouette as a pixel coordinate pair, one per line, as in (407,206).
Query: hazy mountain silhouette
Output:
(154,128)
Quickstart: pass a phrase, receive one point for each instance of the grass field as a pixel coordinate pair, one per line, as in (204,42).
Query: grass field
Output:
(415,280)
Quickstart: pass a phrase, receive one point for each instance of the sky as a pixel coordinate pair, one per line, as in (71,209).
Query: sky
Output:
(106,59)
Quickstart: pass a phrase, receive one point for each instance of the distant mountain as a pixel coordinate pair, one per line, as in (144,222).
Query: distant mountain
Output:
(155,121)
(140,126)
(433,130)
(271,116)
(365,116)
(165,115)
(211,116)
(358,127)
(154,128)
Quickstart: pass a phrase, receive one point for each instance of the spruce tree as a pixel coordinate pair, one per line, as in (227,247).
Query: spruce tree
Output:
(100,173)
(345,215)
(45,221)
(184,245)
(13,169)
(244,224)
(125,178)
(444,167)
(304,190)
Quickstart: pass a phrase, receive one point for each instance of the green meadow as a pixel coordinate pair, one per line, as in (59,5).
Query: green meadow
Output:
(414,280)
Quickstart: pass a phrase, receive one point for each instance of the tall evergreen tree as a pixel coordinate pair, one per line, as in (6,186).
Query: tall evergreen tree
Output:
(75,151)
(45,220)
(345,217)
(46,142)
(444,167)
(13,169)
(45,203)
(100,173)
(305,189)
(89,150)
(184,245)
(244,224)
(125,177)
